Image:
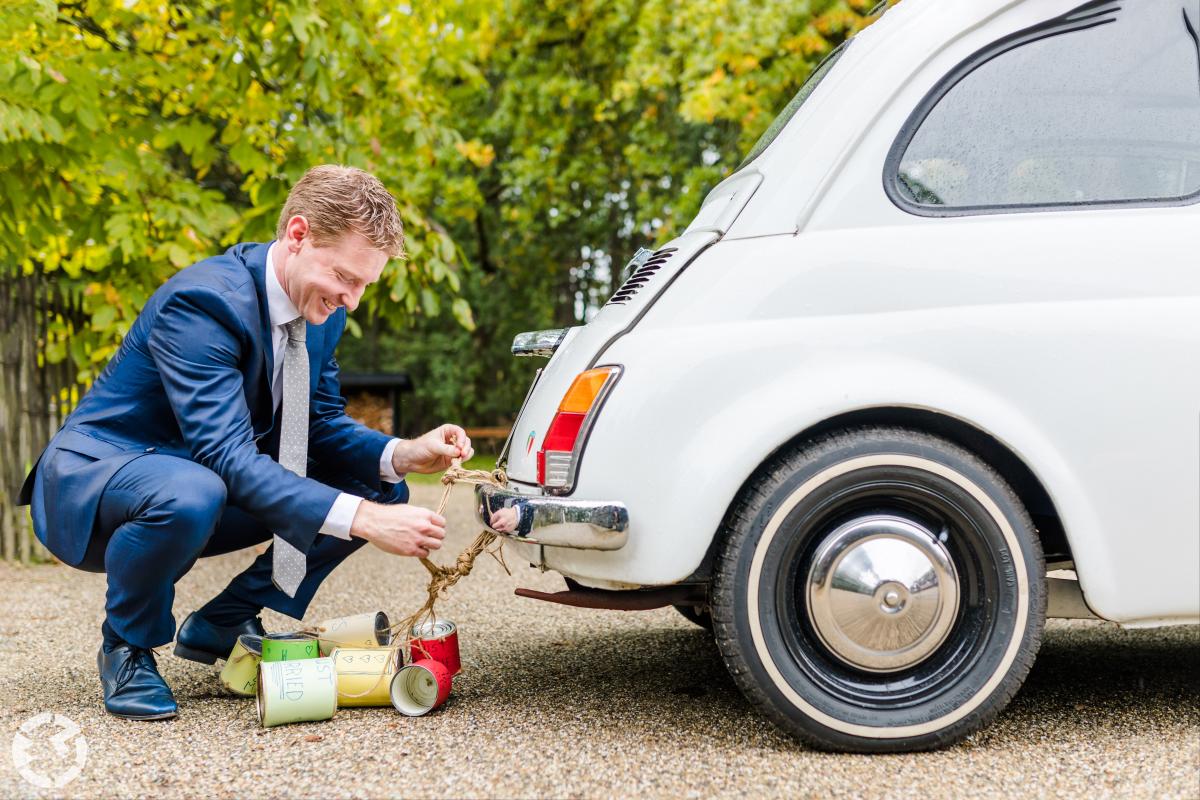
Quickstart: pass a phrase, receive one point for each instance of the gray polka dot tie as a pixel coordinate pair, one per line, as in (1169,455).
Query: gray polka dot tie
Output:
(288,564)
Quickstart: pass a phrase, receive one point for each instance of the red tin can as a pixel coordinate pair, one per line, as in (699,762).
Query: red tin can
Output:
(420,687)
(437,640)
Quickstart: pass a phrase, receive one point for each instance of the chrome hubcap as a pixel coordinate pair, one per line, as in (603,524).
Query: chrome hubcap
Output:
(882,592)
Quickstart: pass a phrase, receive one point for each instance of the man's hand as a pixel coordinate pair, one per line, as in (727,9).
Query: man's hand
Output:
(433,451)
(401,529)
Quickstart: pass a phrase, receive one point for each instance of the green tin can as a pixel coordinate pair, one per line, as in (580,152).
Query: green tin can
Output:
(296,691)
(240,673)
(288,647)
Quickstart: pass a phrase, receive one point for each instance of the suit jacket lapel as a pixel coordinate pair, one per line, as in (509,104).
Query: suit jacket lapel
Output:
(255,259)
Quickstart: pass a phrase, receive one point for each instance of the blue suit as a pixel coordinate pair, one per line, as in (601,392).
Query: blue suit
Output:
(171,454)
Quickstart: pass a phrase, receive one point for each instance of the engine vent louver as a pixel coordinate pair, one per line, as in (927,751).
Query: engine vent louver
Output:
(641,276)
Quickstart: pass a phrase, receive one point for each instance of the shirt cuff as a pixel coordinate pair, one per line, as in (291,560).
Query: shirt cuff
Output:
(341,516)
(386,471)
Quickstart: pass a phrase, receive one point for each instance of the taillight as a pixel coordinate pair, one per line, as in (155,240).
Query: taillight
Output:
(558,459)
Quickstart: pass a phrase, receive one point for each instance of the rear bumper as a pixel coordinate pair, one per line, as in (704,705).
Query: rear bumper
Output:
(552,521)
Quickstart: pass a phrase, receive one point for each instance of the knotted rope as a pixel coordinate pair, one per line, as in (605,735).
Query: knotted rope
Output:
(441,578)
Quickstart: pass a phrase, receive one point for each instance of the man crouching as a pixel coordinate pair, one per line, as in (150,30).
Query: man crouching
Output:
(219,424)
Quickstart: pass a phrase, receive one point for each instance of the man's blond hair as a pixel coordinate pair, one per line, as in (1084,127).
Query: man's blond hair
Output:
(336,199)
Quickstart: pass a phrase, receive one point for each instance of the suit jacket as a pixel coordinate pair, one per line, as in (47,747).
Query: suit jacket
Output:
(192,379)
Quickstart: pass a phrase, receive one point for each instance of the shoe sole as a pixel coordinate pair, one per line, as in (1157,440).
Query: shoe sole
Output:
(144,717)
(204,657)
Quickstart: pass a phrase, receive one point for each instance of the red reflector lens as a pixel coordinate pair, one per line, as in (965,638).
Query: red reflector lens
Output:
(564,429)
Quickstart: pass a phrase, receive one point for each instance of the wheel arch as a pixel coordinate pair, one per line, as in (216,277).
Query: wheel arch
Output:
(1024,482)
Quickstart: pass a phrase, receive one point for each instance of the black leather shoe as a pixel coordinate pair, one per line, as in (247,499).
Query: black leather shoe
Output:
(200,640)
(133,689)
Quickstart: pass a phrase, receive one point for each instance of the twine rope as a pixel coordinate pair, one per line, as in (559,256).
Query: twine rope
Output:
(441,578)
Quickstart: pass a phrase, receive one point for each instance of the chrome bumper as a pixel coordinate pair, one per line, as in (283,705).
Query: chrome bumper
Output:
(552,521)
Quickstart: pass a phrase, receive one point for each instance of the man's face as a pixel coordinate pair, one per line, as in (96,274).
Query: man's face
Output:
(320,279)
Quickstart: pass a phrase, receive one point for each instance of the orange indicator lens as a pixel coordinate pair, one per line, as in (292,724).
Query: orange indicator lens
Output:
(581,395)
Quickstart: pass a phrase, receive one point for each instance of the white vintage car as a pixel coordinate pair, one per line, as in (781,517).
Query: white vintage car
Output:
(937,336)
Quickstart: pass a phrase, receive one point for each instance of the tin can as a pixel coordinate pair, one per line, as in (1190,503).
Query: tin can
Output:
(288,647)
(420,687)
(371,629)
(364,675)
(437,640)
(240,673)
(296,691)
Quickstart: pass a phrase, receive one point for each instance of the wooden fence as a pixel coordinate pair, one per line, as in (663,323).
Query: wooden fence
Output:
(34,395)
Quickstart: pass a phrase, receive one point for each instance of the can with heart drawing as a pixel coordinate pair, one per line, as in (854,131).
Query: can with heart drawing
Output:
(364,674)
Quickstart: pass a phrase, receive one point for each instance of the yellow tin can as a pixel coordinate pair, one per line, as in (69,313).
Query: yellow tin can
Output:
(371,629)
(364,675)
(296,691)
(240,673)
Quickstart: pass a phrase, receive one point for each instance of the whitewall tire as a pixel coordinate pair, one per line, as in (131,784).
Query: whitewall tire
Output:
(879,590)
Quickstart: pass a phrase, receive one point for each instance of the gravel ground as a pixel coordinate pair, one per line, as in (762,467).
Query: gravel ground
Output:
(562,702)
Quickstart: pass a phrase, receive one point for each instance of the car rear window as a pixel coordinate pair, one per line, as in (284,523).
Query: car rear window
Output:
(789,111)
(1098,106)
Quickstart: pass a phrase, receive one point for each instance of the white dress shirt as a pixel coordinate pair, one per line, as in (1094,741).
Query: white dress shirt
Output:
(282,310)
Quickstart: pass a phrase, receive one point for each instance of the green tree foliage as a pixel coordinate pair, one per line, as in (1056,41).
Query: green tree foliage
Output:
(139,137)
(533,146)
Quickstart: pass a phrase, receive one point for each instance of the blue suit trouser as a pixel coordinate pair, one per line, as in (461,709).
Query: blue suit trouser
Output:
(159,513)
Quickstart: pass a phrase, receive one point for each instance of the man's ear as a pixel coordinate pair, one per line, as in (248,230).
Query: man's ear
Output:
(296,231)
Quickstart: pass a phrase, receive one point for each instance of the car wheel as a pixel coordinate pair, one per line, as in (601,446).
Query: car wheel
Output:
(879,590)
(700,615)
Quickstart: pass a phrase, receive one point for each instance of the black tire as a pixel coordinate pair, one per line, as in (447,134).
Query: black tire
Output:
(789,517)
(698,614)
